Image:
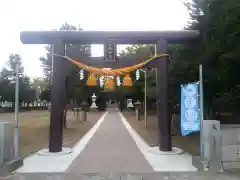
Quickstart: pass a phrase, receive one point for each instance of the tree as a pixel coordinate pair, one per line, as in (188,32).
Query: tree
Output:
(39,84)
(216,48)
(6,89)
(137,91)
(47,62)
(8,79)
(26,92)
(45,95)
(75,88)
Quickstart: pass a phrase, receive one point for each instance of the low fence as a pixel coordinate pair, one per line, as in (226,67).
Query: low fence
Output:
(9,106)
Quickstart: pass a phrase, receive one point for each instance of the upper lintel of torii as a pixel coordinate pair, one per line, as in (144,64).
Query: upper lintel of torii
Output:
(102,37)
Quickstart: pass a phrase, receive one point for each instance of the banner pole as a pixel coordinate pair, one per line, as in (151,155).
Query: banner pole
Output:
(201,111)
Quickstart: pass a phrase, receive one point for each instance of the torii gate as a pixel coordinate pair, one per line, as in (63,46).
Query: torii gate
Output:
(59,38)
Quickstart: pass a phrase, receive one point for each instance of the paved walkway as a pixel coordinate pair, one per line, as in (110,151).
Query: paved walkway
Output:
(111,153)
(122,176)
(111,149)
(111,146)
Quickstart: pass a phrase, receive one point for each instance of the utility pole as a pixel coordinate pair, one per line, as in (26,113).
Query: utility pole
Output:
(16,112)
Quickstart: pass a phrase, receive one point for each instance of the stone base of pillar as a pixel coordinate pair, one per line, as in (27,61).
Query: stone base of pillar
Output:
(175,150)
(45,152)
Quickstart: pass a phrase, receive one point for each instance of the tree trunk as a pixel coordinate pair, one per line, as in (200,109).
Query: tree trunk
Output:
(65,118)
(175,124)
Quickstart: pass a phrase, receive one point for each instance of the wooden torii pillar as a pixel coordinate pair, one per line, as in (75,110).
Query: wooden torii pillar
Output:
(58,95)
(60,38)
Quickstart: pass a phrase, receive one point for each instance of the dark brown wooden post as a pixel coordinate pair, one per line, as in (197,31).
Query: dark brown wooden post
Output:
(57,100)
(65,103)
(162,98)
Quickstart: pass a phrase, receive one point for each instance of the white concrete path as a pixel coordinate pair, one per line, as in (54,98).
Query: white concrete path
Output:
(60,163)
(158,160)
(161,161)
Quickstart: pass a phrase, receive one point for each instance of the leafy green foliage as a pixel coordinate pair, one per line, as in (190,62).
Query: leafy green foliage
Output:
(8,79)
(217,49)
(76,89)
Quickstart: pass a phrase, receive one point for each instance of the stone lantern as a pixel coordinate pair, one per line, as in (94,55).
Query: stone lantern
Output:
(137,110)
(129,103)
(94,105)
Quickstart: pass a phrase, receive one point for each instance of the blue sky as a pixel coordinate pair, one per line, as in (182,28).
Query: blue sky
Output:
(17,15)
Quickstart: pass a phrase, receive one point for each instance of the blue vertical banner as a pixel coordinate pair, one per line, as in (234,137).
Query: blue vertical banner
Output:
(190,108)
